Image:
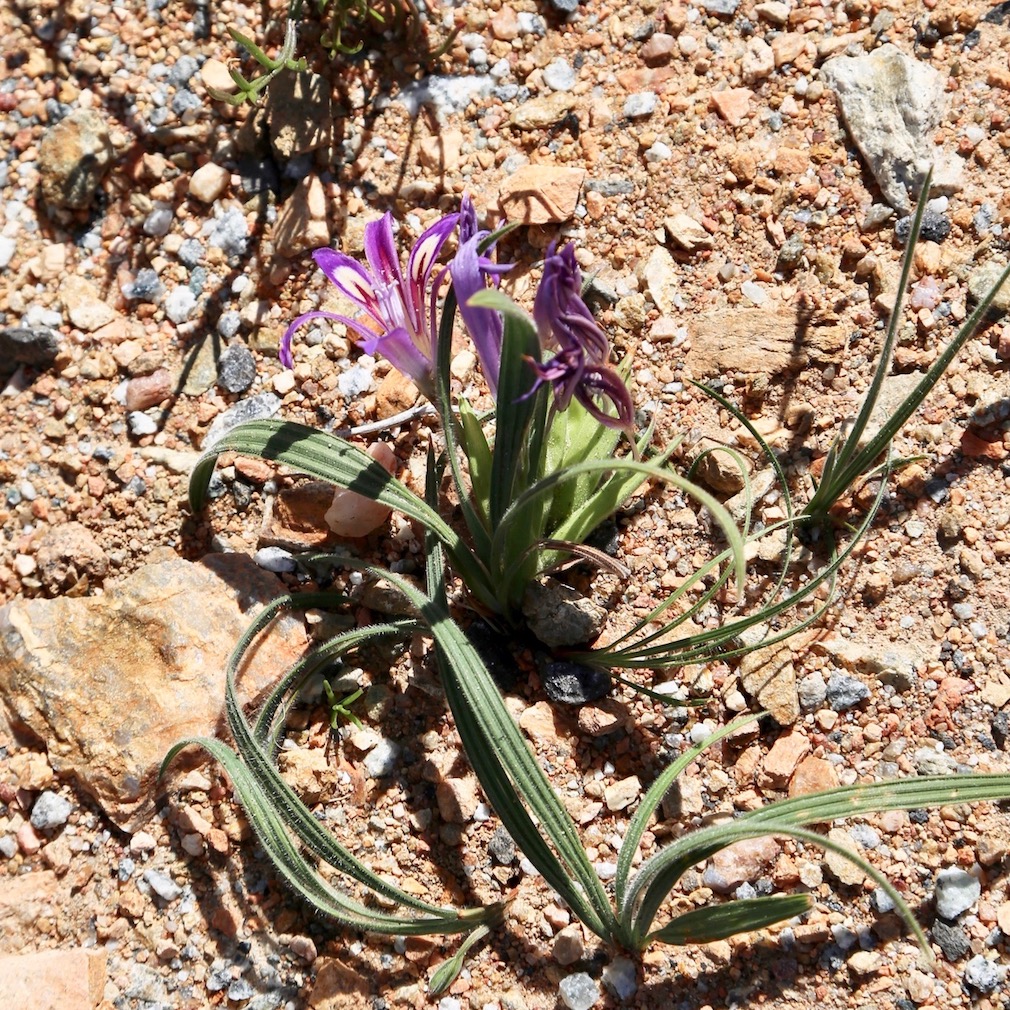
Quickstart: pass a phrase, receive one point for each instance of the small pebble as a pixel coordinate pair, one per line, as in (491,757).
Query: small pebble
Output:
(50,811)
(275,559)
(935,228)
(982,975)
(845,692)
(162,885)
(621,978)
(179,304)
(559,75)
(383,759)
(956,891)
(641,104)
(579,991)
(236,369)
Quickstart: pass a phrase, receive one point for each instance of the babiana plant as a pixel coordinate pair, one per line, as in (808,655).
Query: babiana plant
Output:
(535,480)
(532,483)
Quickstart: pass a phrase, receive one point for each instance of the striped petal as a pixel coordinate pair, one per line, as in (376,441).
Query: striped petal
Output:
(349,277)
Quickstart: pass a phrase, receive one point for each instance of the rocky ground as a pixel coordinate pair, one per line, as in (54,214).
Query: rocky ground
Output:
(153,246)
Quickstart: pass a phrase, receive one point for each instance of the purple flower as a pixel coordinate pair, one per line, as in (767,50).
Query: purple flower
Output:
(580,368)
(470,270)
(399,312)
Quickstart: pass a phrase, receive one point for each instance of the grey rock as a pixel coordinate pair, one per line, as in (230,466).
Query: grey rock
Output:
(845,692)
(179,304)
(952,940)
(724,7)
(621,978)
(641,104)
(446,93)
(240,990)
(50,811)
(881,902)
(383,759)
(229,232)
(983,279)
(579,991)
(74,156)
(28,345)
(559,615)
(929,761)
(236,369)
(812,692)
(573,683)
(565,6)
(275,559)
(145,287)
(190,252)
(956,891)
(502,847)
(559,75)
(162,885)
(982,975)
(892,105)
(182,70)
(255,408)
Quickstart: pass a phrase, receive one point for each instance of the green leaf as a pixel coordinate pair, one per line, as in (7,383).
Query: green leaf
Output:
(333,459)
(445,974)
(479,456)
(299,874)
(506,769)
(787,817)
(492,298)
(652,799)
(716,922)
(526,505)
(515,411)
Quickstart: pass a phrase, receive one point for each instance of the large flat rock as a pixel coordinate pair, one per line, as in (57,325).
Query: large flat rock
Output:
(108,683)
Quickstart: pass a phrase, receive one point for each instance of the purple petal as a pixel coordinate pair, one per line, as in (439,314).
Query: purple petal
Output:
(469,226)
(380,251)
(484,325)
(422,261)
(607,384)
(404,355)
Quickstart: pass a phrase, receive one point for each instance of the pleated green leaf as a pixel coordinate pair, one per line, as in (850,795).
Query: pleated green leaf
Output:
(716,922)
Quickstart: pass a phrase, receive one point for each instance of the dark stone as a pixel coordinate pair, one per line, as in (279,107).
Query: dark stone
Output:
(26,345)
(573,683)
(494,649)
(236,370)
(950,939)
(565,6)
(502,847)
(1000,727)
(935,227)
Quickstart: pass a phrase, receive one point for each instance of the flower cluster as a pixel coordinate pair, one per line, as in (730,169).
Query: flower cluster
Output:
(398,319)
